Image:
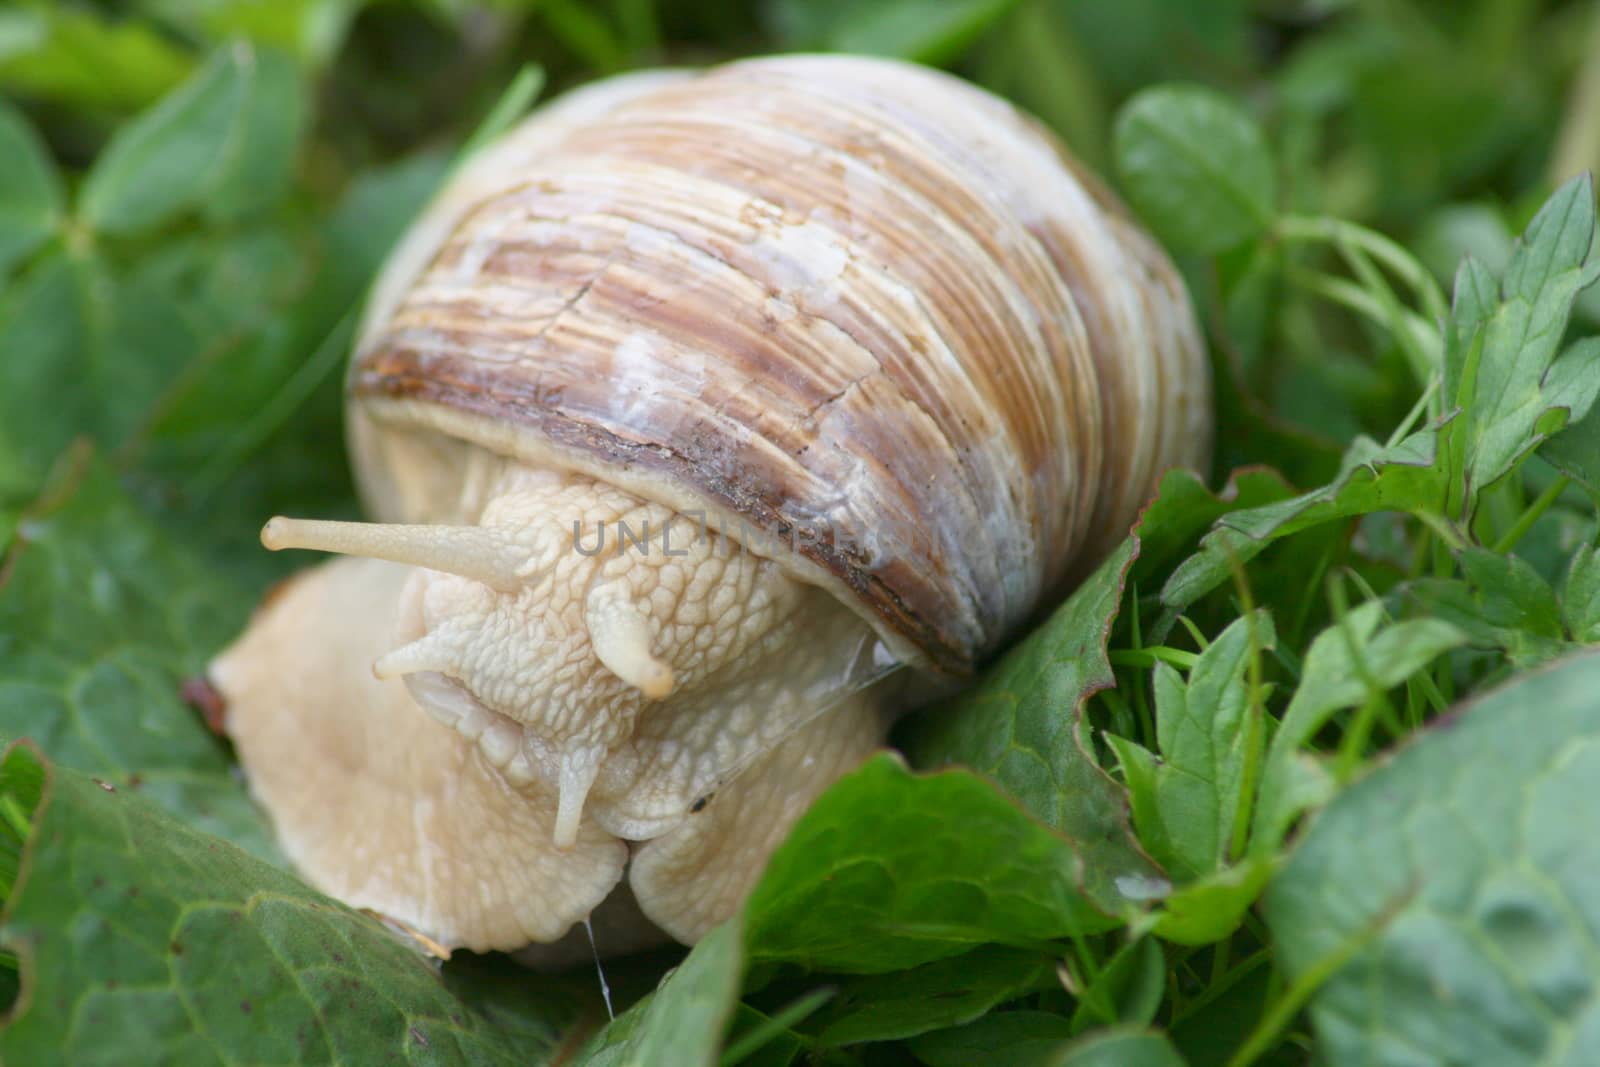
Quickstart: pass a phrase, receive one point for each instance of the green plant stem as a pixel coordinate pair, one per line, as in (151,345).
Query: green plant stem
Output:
(1442,528)
(1419,409)
(1195,632)
(1255,726)
(512,104)
(1240,971)
(763,1032)
(1148,657)
(1283,1010)
(1524,523)
(1326,230)
(1404,325)
(1421,343)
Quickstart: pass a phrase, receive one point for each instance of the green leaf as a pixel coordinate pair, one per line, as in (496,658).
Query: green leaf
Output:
(1183,508)
(1187,819)
(75,56)
(1502,603)
(684,1020)
(1580,596)
(1575,450)
(890,870)
(1120,1047)
(1196,166)
(1015,1038)
(21,788)
(143,941)
(1022,726)
(1035,1039)
(1210,909)
(223,143)
(44,332)
(1511,593)
(1347,663)
(1501,354)
(1463,876)
(101,620)
(1371,478)
(30,191)
(940,994)
(929,31)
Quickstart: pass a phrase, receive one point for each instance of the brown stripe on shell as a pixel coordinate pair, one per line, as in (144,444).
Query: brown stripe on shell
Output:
(894,591)
(830,294)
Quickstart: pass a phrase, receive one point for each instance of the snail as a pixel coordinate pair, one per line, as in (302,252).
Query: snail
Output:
(703,419)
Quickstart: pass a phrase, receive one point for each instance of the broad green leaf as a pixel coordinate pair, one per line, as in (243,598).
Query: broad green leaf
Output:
(1371,478)
(1186,818)
(1022,727)
(30,191)
(943,993)
(1015,1038)
(1575,450)
(1502,602)
(101,620)
(1511,593)
(44,331)
(1210,909)
(1462,878)
(1196,166)
(144,941)
(89,352)
(890,870)
(930,31)
(1348,663)
(683,1021)
(73,55)
(1120,1047)
(1580,596)
(223,144)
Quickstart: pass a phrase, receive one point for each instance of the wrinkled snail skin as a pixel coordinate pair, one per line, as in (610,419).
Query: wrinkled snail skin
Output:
(865,366)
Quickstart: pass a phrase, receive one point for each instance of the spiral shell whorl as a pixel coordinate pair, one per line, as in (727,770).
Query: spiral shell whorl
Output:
(846,296)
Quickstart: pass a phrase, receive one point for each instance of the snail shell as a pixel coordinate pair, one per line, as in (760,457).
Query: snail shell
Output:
(867,322)
(829,294)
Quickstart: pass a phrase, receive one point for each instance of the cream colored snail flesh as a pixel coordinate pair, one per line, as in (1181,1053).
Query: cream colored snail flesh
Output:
(688,410)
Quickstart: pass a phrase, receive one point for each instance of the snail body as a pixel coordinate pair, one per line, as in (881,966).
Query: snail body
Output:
(690,409)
